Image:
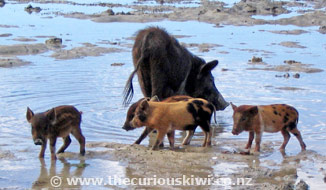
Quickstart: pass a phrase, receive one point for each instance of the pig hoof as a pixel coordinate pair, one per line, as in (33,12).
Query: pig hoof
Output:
(245,153)
(155,148)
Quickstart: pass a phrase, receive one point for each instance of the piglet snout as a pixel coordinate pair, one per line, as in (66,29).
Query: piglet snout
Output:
(127,127)
(38,142)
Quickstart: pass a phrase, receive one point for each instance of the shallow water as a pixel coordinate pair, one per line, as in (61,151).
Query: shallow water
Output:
(95,87)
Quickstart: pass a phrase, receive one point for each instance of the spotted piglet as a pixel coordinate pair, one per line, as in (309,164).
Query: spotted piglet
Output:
(267,118)
(166,117)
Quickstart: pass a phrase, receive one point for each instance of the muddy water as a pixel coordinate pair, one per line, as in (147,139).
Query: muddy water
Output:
(95,87)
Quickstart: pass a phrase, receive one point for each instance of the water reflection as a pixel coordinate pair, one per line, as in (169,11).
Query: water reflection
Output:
(46,176)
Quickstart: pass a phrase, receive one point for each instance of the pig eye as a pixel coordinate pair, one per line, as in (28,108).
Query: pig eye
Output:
(243,119)
(142,118)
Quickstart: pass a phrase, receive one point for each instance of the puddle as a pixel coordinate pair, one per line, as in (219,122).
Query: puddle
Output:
(95,86)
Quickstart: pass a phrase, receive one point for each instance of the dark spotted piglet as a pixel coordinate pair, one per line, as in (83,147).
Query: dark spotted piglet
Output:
(168,117)
(57,122)
(268,118)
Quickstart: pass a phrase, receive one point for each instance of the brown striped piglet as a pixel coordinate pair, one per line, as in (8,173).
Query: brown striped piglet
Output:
(56,122)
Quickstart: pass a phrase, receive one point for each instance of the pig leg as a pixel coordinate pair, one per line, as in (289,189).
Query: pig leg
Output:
(297,134)
(41,155)
(258,140)
(76,132)
(171,139)
(209,138)
(53,140)
(66,143)
(146,131)
(251,138)
(159,80)
(159,139)
(205,127)
(190,134)
(286,136)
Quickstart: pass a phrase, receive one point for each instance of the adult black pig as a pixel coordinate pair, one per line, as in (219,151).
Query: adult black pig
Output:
(165,68)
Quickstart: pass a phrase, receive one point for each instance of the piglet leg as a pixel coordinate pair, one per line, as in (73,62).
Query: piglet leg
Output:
(188,138)
(53,140)
(171,139)
(41,155)
(258,141)
(251,138)
(159,139)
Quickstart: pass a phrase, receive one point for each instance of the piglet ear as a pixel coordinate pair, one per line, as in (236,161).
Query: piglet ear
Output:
(144,105)
(52,116)
(253,110)
(29,114)
(154,99)
(234,107)
(207,68)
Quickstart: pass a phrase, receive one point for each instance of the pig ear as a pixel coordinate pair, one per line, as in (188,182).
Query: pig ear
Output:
(29,114)
(154,99)
(234,107)
(52,116)
(253,110)
(207,68)
(143,105)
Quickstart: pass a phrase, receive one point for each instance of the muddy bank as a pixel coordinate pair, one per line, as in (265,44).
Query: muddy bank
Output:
(84,51)
(200,162)
(50,45)
(12,62)
(214,12)
(288,66)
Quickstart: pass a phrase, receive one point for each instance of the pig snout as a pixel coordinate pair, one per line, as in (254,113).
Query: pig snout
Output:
(127,127)
(235,132)
(38,142)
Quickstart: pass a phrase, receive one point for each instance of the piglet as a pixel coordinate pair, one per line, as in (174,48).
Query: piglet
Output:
(267,118)
(56,122)
(168,117)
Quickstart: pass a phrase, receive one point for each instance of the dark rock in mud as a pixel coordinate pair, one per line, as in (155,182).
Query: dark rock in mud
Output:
(110,12)
(302,185)
(2,3)
(56,42)
(296,75)
(5,35)
(256,61)
(322,29)
(291,62)
(286,75)
(117,64)
(31,9)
